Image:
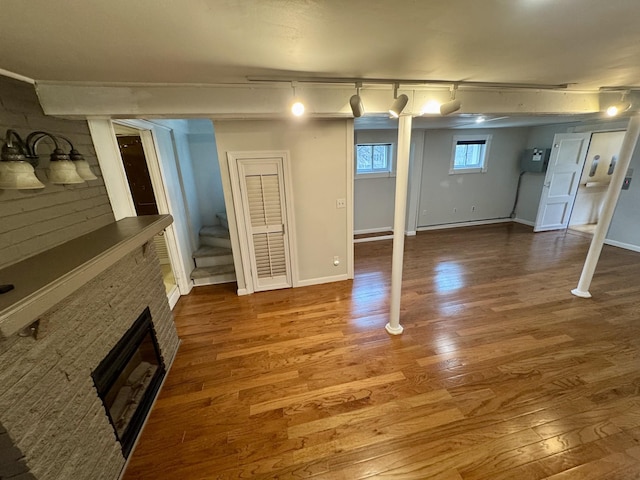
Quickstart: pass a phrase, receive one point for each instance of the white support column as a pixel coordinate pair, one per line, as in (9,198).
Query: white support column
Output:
(402,181)
(608,207)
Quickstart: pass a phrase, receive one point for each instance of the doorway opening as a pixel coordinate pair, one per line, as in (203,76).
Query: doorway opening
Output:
(602,156)
(136,169)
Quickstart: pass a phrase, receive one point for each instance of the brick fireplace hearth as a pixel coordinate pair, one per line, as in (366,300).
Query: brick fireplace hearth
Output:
(53,425)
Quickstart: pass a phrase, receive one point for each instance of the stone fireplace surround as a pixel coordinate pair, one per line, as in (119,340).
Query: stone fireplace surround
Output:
(53,425)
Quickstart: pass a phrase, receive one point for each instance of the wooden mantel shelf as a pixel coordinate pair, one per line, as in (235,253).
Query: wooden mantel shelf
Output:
(45,279)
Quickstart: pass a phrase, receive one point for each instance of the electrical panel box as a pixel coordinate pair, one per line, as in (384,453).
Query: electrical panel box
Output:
(535,160)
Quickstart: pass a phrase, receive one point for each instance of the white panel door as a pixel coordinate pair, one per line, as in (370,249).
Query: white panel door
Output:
(562,180)
(265,214)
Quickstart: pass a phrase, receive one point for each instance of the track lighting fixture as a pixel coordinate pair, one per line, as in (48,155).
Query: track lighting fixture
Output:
(620,107)
(357,108)
(453,105)
(297,107)
(399,103)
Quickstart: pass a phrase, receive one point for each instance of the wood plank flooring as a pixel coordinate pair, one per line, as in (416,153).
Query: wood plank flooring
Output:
(501,373)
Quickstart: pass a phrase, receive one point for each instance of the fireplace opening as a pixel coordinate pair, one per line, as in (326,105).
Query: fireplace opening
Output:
(129,378)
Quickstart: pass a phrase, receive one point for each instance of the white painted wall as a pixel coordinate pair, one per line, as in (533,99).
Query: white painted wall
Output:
(491,193)
(320,155)
(373,198)
(206,168)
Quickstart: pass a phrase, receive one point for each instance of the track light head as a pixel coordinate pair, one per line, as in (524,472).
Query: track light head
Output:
(398,105)
(618,108)
(450,107)
(356,105)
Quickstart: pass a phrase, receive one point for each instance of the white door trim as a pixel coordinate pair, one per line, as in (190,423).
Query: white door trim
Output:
(114,175)
(550,176)
(232,159)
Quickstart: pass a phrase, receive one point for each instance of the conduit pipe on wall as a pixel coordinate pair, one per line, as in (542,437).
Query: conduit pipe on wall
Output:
(402,181)
(608,207)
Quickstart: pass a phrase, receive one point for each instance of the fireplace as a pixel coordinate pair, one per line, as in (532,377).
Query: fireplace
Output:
(128,379)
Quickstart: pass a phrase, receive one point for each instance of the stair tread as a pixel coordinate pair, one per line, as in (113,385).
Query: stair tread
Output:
(208,251)
(202,272)
(214,231)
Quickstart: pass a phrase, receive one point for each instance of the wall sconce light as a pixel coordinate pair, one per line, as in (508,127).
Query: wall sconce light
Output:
(357,108)
(297,107)
(19,158)
(82,166)
(399,103)
(62,170)
(453,105)
(16,173)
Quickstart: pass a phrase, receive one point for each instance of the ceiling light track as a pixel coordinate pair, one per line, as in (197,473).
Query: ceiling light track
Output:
(393,82)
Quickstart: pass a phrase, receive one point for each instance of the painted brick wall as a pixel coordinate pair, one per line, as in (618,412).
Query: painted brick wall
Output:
(32,221)
(48,403)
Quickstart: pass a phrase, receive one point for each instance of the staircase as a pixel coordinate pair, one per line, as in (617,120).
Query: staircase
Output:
(214,260)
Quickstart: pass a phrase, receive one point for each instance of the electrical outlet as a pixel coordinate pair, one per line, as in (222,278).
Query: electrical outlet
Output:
(341,203)
(455,209)
(473,208)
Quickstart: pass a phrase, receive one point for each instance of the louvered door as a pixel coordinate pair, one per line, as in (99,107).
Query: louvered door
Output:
(262,186)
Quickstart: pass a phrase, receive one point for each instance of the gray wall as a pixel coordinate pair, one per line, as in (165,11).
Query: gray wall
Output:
(206,169)
(32,221)
(625,226)
(491,193)
(374,198)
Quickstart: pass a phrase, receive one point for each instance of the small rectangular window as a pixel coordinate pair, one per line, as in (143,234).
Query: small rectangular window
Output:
(374,158)
(470,154)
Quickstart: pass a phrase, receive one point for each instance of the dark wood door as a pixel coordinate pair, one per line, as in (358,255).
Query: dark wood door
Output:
(135,166)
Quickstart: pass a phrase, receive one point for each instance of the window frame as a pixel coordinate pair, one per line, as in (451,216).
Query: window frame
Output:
(486,138)
(390,172)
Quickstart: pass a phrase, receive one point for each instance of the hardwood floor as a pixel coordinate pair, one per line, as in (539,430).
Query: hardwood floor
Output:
(501,373)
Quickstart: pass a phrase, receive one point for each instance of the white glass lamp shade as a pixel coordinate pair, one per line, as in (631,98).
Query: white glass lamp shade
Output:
(18,176)
(63,172)
(84,170)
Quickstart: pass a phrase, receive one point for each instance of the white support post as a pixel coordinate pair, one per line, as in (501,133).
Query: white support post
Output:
(608,207)
(402,181)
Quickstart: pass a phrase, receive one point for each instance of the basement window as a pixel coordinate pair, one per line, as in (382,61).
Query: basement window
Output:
(470,153)
(374,160)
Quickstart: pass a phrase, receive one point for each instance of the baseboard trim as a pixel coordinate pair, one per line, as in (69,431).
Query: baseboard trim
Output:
(321,280)
(464,224)
(373,239)
(242,291)
(173,297)
(524,222)
(626,246)
(373,230)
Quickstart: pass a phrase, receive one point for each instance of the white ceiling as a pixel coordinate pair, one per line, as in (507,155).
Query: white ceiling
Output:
(591,43)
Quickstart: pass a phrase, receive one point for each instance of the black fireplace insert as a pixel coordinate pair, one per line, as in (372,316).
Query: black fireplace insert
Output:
(128,380)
